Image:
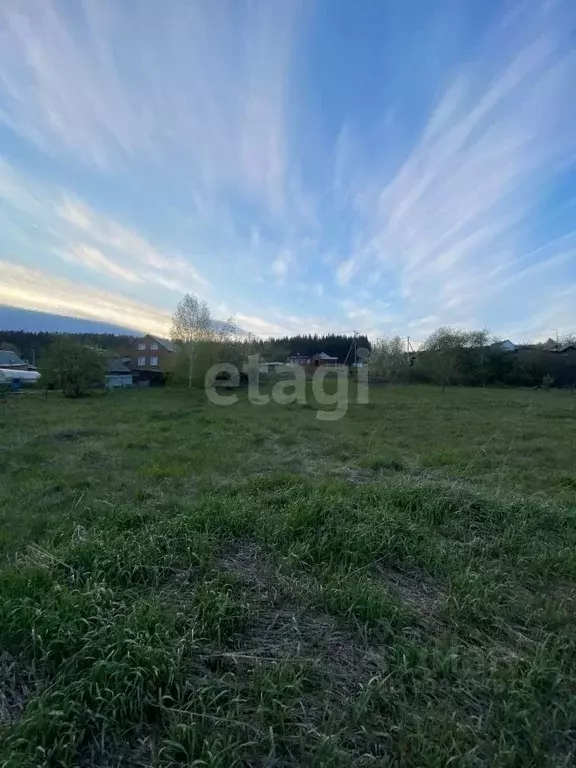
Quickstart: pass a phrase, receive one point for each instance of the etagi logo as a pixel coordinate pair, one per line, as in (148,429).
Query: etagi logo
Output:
(330,386)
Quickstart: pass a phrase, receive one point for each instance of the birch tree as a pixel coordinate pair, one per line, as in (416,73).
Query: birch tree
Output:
(191,325)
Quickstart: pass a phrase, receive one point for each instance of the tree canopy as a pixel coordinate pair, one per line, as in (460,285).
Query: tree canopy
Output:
(73,367)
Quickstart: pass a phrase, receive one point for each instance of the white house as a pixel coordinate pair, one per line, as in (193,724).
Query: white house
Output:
(504,346)
(13,370)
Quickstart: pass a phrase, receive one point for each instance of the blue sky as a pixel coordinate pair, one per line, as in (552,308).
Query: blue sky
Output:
(318,165)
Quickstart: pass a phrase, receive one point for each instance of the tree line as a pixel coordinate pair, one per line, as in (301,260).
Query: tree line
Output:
(452,356)
(333,344)
(200,344)
(32,346)
(449,356)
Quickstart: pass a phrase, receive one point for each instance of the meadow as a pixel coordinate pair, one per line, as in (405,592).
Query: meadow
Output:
(188,584)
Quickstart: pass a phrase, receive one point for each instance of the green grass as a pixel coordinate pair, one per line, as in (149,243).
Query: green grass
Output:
(189,584)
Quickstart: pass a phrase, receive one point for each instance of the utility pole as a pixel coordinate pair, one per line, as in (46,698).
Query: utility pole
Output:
(353,346)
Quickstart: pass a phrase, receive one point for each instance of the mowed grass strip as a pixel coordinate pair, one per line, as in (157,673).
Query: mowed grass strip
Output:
(176,589)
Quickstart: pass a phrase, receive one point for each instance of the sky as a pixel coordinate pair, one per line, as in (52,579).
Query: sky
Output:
(386,166)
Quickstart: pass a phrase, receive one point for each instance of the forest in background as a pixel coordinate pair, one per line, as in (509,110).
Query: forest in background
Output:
(447,358)
(32,346)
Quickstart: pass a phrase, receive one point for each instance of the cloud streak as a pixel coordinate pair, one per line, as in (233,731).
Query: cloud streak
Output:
(198,86)
(95,259)
(37,290)
(252,171)
(456,218)
(109,233)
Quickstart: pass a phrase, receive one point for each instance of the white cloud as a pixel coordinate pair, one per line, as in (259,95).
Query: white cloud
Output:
(259,326)
(281,264)
(108,233)
(199,86)
(51,220)
(455,221)
(192,103)
(33,289)
(95,259)
(346,271)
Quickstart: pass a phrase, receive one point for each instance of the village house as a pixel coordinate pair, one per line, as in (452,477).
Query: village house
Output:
(9,359)
(118,375)
(151,359)
(315,360)
(15,371)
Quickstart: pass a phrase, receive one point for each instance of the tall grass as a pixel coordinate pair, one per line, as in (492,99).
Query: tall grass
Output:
(181,586)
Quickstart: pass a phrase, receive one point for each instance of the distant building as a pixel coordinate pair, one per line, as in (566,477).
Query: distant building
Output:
(272,367)
(564,349)
(15,371)
(118,376)
(321,359)
(504,346)
(298,359)
(324,359)
(11,360)
(151,358)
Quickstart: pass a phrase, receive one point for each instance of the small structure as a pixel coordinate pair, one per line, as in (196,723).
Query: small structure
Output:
(15,371)
(504,346)
(9,359)
(272,367)
(315,360)
(299,359)
(562,350)
(118,376)
(324,359)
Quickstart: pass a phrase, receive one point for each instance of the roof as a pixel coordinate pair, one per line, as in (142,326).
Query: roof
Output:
(165,343)
(506,345)
(566,348)
(324,356)
(115,365)
(8,358)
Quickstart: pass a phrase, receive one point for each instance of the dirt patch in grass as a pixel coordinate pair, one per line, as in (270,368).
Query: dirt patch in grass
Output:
(285,626)
(247,561)
(422,593)
(72,434)
(565,593)
(14,691)
(355,475)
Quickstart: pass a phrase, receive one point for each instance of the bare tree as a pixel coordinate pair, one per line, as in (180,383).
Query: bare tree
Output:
(568,339)
(191,325)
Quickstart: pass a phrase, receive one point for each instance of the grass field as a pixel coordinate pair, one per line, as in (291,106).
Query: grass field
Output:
(189,584)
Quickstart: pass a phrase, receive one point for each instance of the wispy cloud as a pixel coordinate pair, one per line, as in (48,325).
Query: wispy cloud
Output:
(198,86)
(110,234)
(281,264)
(346,271)
(95,259)
(38,290)
(456,219)
(57,222)
(249,172)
